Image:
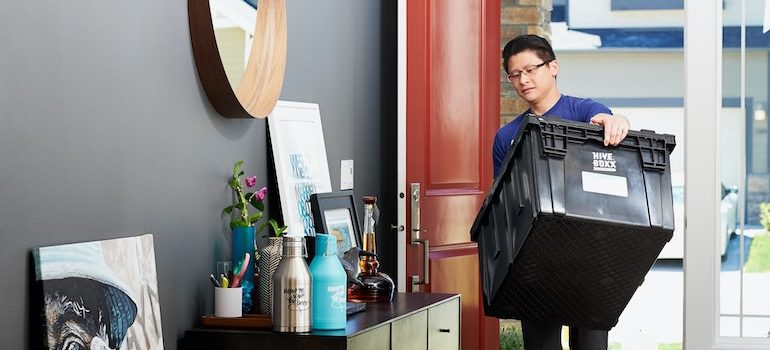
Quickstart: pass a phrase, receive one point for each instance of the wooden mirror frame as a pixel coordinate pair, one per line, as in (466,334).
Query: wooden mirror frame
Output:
(260,86)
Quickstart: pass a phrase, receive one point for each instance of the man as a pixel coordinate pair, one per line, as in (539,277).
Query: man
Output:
(531,68)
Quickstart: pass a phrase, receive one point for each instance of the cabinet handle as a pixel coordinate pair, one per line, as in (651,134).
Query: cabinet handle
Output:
(443,330)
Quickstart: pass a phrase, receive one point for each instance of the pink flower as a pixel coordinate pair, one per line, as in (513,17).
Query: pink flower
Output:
(262,193)
(251,181)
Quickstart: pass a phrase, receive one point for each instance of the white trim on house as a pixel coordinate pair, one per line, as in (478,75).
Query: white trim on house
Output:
(562,38)
(234,13)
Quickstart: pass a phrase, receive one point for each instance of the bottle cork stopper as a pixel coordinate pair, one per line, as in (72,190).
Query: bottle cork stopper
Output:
(370,199)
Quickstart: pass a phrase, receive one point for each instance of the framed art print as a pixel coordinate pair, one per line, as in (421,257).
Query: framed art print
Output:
(334,213)
(100,294)
(301,167)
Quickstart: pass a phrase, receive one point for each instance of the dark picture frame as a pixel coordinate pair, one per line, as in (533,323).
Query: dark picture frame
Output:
(335,213)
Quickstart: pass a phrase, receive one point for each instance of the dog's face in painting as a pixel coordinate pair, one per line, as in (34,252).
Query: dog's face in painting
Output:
(85,314)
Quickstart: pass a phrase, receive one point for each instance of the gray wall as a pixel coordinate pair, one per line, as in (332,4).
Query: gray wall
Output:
(105,132)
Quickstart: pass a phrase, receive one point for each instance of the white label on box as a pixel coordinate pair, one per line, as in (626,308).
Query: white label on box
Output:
(605,184)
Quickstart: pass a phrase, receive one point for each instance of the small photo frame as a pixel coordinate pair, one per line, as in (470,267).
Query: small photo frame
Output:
(334,213)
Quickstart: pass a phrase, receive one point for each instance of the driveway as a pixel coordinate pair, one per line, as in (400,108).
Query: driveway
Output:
(654,314)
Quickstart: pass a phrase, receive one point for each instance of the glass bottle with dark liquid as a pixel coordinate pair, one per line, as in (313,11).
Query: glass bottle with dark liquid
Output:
(375,286)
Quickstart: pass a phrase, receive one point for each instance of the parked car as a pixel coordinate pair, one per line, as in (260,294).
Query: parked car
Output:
(674,249)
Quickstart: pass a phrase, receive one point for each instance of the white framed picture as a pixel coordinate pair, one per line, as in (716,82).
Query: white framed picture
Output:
(301,167)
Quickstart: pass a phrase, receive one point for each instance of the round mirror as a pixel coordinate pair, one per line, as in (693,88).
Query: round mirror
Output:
(240,51)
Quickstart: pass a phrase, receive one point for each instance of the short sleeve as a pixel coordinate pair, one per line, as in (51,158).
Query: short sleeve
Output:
(589,108)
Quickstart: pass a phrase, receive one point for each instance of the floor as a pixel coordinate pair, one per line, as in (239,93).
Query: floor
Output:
(654,315)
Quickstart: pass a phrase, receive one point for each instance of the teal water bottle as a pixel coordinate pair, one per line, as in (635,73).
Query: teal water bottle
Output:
(329,301)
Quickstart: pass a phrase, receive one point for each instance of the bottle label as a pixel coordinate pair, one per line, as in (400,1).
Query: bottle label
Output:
(296,298)
(338,296)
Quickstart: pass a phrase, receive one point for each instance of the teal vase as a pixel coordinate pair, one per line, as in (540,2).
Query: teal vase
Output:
(243,242)
(328,305)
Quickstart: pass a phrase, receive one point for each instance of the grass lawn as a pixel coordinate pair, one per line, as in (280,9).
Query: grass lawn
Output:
(759,254)
(510,335)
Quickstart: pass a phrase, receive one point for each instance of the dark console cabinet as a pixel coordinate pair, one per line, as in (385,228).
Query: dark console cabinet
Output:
(410,321)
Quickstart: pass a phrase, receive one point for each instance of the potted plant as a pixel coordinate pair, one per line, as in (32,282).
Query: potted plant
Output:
(245,213)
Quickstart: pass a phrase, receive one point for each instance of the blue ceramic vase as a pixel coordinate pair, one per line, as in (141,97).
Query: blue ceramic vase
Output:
(243,242)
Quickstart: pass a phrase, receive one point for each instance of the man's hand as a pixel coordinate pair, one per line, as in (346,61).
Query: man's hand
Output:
(615,127)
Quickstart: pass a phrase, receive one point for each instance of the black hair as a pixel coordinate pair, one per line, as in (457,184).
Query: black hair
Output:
(528,42)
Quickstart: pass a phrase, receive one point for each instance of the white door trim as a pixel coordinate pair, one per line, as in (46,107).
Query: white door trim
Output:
(702,103)
(702,100)
(401,190)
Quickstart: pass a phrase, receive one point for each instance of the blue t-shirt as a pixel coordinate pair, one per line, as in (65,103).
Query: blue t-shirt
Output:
(568,107)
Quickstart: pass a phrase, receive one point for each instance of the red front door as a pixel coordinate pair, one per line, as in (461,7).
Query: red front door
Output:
(452,113)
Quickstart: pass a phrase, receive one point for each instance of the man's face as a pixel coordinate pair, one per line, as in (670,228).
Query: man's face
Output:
(532,79)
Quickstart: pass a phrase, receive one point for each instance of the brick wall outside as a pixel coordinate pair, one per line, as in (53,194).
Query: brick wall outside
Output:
(519,17)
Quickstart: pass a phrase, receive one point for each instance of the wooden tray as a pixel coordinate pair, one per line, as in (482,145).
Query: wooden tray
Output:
(247,321)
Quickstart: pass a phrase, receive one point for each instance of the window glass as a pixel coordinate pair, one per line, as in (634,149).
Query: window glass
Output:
(743,241)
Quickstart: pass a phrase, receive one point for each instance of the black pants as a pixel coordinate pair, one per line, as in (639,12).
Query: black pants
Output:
(539,336)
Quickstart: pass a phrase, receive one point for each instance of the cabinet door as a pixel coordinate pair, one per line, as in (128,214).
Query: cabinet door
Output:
(444,326)
(410,333)
(376,339)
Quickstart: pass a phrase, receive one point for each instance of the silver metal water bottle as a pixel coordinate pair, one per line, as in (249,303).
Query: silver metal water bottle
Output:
(292,292)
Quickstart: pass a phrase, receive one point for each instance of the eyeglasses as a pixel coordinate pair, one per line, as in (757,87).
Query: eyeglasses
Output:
(527,71)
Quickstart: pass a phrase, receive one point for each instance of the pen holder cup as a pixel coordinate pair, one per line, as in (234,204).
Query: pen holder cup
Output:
(227,302)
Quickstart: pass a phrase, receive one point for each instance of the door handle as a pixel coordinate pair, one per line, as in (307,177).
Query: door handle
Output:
(415,237)
(415,201)
(425,264)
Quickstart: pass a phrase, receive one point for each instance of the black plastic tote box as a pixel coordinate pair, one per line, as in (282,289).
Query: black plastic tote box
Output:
(570,227)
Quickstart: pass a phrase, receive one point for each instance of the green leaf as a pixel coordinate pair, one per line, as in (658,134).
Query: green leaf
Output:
(255,201)
(254,218)
(278,231)
(262,227)
(229,209)
(237,168)
(275,227)
(238,223)
(234,183)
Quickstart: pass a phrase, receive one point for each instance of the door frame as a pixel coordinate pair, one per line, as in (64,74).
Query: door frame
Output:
(401,151)
(702,42)
(703,53)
